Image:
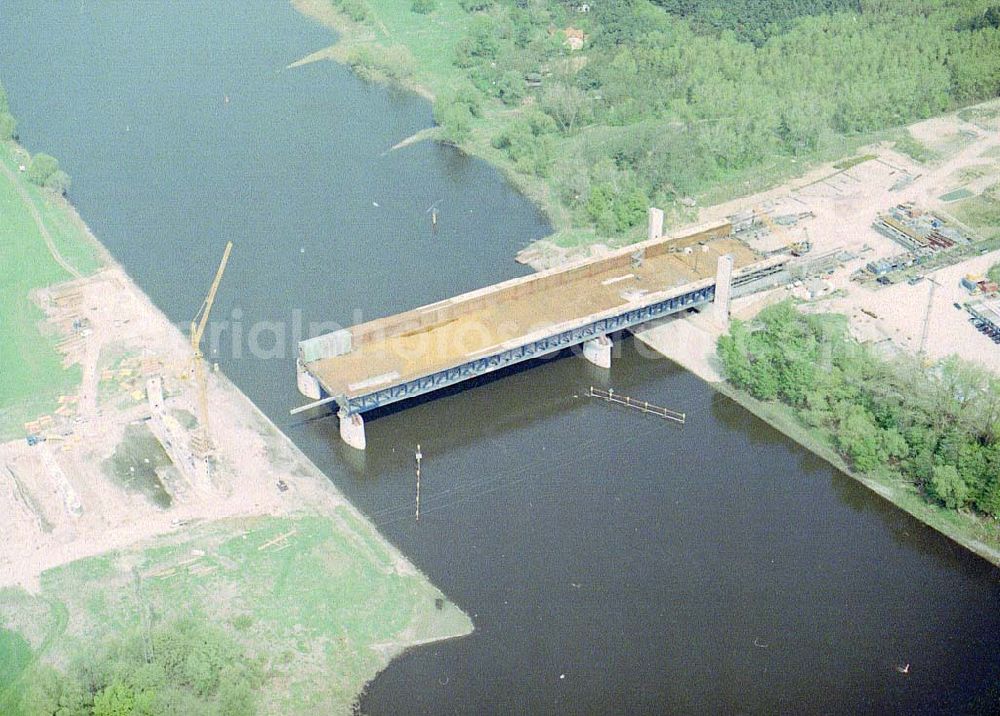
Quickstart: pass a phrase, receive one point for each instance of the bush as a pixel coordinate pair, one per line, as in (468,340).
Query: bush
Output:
(454,113)
(423,7)
(354,9)
(40,168)
(58,182)
(453,117)
(195,669)
(947,485)
(475,5)
(509,87)
(527,143)
(616,209)
(480,45)
(470,97)
(994,273)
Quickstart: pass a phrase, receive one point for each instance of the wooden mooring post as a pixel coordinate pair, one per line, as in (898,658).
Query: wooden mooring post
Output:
(641,405)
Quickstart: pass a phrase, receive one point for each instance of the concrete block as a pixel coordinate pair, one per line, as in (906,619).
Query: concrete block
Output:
(307,383)
(654,225)
(328,345)
(723,289)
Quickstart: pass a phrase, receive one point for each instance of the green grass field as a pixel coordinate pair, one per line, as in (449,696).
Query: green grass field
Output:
(32,376)
(401,45)
(430,38)
(319,599)
(982,212)
(906,143)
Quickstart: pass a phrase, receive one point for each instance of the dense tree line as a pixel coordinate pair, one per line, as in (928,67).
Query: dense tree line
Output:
(186,668)
(752,20)
(668,100)
(937,428)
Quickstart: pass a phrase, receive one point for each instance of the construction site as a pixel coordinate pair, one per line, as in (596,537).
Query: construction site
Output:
(830,239)
(138,423)
(155,421)
(888,241)
(153,444)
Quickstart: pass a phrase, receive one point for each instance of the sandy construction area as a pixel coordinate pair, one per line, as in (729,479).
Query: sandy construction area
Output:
(58,499)
(844,204)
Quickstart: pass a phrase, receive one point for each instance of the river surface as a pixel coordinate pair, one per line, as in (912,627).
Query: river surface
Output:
(611,562)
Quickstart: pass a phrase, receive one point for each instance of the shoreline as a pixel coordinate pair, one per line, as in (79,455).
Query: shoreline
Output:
(545,253)
(909,502)
(350,34)
(64,507)
(691,356)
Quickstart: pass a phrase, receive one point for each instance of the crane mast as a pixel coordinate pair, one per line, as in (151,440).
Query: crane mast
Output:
(197,331)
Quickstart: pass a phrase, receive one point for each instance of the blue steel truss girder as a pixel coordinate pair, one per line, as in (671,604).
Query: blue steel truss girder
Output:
(536,349)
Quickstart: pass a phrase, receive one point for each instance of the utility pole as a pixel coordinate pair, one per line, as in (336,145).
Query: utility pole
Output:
(419,455)
(927,317)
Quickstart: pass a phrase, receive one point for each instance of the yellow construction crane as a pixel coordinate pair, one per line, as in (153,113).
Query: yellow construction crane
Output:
(197,330)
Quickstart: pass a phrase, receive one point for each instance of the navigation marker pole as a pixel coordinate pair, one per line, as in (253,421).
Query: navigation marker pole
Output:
(418,455)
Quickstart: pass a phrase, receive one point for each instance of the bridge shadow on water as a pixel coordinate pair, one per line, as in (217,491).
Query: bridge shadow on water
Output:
(548,398)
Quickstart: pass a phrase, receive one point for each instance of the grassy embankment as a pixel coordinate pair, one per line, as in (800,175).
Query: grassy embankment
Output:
(319,601)
(980,212)
(32,377)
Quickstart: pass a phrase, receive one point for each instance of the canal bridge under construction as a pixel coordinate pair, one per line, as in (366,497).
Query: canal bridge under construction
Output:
(398,357)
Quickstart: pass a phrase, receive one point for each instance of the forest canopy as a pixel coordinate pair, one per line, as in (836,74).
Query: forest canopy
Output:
(655,101)
(183,668)
(937,429)
(753,20)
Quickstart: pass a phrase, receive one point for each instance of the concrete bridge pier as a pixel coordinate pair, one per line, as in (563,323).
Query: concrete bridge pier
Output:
(654,223)
(352,430)
(723,290)
(307,383)
(598,351)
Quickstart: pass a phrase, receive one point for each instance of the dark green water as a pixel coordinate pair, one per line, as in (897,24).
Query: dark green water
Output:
(611,563)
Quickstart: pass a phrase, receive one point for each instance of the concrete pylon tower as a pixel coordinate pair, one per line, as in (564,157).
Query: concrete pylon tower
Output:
(654,223)
(723,289)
